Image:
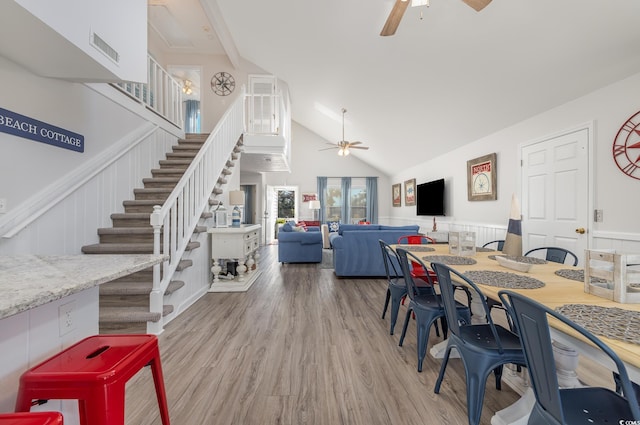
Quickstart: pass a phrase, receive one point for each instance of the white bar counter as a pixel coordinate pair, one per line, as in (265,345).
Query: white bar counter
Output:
(47,304)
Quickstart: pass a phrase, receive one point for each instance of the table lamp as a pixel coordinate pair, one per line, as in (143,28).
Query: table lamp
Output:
(315,206)
(236,197)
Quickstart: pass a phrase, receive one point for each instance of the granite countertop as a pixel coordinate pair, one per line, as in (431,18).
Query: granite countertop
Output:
(28,281)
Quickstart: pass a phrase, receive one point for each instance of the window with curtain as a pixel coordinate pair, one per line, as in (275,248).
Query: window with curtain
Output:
(348,199)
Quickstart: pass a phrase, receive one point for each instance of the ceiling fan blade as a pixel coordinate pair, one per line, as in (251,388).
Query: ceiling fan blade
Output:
(358,147)
(478,5)
(354,143)
(327,149)
(395,17)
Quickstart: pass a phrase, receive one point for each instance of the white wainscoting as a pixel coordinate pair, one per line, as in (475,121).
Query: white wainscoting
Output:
(625,242)
(484,232)
(65,216)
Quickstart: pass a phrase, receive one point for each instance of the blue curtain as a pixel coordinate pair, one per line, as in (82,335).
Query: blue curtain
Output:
(192,116)
(322,195)
(372,200)
(346,196)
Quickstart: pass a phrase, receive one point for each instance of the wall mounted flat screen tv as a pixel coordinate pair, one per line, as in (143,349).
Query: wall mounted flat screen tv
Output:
(430,198)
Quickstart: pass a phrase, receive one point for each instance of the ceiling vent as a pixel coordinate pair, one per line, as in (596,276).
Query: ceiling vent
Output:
(104,47)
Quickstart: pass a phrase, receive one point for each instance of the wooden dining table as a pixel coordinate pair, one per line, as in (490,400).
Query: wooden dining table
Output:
(557,291)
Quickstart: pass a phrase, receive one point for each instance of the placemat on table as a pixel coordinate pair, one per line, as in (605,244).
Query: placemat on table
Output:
(520,259)
(611,322)
(416,248)
(503,279)
(451,260)
(578,275)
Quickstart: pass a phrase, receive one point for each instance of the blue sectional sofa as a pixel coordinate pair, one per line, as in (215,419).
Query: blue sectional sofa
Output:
(299,247)
(356,250)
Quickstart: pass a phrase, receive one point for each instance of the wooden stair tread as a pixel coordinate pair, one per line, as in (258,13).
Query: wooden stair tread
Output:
(142,202)
(153,190)
(134,287)
(181,155)
(118,248)
(196,136)
(131,219)
(125,230)
(174,163)
(188,147)
(128,248)
(132,216)
(161,180)
(184,264)
(167,171)
(131,314)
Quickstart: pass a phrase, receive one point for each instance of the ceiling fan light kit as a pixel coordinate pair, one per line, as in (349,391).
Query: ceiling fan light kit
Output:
(344,147)
(400,6)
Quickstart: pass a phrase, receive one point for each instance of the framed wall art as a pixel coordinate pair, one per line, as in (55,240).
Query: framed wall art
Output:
(306,197)
(410,192)
(396,194)
(482,181)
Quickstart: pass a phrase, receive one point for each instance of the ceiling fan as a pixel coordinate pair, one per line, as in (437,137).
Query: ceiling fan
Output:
(344,146)
(391,25)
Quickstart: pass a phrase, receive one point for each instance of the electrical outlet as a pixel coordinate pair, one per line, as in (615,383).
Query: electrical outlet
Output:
(597,216)
(66,319)
(3,205)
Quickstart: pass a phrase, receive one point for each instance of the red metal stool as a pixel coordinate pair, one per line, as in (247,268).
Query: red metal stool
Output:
(94,371)
(33,418)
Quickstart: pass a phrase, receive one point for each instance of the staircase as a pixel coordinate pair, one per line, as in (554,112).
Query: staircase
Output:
(125,302)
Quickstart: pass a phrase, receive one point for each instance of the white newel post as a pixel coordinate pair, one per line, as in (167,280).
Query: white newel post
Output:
(156,296)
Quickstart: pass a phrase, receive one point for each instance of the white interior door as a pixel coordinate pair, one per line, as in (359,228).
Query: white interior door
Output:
(555,193)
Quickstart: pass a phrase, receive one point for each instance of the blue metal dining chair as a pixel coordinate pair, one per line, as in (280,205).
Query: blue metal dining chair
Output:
(499,244)
(583,405)
(397,288)
(555,254)
(426,305)
(483,348)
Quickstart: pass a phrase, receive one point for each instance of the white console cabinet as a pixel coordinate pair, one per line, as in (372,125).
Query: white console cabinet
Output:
(235,244)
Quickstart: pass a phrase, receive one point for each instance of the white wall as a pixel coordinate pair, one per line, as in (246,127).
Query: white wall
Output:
(308,163)
(34,175)
(615,193)
(71,106)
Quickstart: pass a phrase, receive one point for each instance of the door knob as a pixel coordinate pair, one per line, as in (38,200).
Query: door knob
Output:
(580,230)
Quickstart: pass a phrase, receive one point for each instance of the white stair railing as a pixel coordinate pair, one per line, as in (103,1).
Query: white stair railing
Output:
(161,94)
(177,218)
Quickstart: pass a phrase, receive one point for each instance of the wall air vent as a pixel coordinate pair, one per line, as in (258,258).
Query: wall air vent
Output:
(104,47)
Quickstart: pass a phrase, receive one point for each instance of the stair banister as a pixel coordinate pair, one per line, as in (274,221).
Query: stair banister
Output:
(178,217)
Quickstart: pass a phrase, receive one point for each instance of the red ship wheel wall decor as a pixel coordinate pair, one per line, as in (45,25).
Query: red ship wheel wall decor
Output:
(626,147)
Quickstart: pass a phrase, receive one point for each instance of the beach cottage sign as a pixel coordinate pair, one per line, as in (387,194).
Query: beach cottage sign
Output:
(29,128)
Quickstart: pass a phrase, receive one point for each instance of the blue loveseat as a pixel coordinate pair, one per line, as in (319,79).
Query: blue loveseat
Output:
(299,247)
(356,250)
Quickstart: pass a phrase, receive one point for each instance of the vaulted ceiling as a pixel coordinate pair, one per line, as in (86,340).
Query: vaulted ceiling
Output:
(448,77)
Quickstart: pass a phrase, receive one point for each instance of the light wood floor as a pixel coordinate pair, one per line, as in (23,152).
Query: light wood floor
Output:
(300,347)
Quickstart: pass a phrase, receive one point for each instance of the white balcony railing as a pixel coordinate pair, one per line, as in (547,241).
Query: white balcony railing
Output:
(161,94)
